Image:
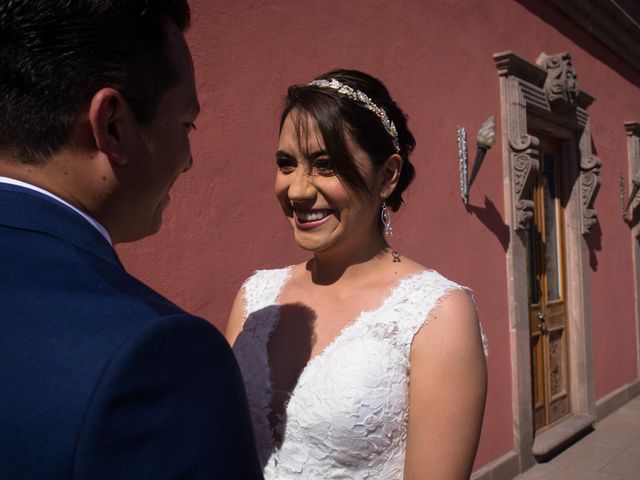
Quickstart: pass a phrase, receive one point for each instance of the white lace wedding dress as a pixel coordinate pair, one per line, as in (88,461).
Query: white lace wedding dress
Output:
(347,415)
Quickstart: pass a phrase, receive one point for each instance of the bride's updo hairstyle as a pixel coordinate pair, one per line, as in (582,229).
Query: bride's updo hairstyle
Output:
(335,112)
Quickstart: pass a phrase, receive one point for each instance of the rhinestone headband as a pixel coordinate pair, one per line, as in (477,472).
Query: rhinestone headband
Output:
(362,98)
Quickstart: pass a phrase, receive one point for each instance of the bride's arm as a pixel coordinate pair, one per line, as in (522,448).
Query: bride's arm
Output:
(236,318)
(447,391)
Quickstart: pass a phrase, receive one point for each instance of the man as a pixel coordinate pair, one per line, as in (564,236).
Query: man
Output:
(101,377)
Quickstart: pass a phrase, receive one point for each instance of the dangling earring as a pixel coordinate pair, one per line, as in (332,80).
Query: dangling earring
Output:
(385,216)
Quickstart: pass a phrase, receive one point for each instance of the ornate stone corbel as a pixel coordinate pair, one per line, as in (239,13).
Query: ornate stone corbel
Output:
(561,85)
(524,165)
(589,186)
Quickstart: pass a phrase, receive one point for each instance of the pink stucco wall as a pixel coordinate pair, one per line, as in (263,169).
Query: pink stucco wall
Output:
(435,57)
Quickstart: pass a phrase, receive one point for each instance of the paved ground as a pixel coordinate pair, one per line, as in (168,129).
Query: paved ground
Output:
(611,452)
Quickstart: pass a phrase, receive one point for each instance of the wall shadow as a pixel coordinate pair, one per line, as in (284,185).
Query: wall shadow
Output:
(491,218)
(594,243)
(569,28)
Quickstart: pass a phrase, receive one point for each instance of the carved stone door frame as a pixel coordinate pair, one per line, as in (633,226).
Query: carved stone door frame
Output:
(633,151)
(545,97)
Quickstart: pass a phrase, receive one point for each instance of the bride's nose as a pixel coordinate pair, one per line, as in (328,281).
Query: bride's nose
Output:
(301,187)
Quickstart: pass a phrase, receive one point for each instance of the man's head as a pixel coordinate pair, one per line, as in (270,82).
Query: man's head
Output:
(104,91)
(56,54)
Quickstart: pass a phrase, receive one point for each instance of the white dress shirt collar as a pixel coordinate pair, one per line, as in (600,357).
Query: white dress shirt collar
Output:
(88,218)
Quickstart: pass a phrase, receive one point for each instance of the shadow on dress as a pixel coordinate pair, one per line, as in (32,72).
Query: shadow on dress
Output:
(289,349)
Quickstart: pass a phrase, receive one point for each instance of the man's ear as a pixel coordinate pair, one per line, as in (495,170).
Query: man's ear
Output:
(108,114)
(390,175)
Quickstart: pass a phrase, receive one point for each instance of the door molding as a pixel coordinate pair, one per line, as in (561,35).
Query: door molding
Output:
(632,129)
(545,97)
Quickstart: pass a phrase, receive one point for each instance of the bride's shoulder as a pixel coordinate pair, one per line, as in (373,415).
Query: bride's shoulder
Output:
(452,313)
(428,287)
(410,269)
(259,290)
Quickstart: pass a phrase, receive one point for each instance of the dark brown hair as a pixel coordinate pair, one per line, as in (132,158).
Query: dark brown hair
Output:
(335,113)
(55,54)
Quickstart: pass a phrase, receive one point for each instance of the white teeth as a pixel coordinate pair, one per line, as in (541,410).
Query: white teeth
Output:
(312,216)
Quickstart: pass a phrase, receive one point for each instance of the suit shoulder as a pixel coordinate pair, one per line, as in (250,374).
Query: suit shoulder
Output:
(177,372)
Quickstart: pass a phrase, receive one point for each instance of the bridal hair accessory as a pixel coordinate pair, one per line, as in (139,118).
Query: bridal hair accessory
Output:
(385,216)
(362,98)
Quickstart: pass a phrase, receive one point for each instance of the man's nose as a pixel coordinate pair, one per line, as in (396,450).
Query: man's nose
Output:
(189,165)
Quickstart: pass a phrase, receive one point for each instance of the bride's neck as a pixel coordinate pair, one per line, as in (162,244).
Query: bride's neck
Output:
(329,267)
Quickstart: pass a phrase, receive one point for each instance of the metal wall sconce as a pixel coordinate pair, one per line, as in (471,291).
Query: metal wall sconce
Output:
(486,139)
(634,192)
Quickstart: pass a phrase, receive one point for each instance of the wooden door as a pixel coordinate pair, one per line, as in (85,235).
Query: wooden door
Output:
(547,319)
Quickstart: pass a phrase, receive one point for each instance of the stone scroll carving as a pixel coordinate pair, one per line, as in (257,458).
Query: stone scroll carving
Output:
(545,97)
(563,94)
(561,85)
(589,186)
(525,165)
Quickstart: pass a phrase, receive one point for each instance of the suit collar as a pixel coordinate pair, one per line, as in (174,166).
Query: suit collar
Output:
(29,210)
(86,216)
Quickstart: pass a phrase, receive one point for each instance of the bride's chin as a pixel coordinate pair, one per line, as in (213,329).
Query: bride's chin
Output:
(311,245)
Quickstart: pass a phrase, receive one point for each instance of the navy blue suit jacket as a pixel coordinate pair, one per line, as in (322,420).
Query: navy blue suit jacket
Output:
(100,376)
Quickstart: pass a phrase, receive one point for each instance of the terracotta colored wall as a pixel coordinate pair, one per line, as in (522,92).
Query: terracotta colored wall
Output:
(435,57)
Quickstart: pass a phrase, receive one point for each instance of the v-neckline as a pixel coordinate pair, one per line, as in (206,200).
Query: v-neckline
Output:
(346,327)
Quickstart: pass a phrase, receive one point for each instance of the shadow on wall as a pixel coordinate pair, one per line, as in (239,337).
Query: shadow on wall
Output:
(594,242)
(491,218)
(554,17)
(594,236)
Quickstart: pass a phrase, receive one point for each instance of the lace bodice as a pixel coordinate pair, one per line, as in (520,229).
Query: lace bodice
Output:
(347,415)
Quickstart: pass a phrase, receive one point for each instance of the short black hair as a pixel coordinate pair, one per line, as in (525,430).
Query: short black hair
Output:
(335,113)
(56,54)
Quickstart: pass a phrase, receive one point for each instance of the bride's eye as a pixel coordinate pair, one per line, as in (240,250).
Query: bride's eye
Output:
(285,163)
(324,166)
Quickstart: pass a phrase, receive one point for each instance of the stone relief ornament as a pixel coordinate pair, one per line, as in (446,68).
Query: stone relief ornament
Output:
(548,92)
(525,165)
(561,85)
(589,186)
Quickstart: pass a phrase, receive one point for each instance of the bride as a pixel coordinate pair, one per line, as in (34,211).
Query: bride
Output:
(359,363)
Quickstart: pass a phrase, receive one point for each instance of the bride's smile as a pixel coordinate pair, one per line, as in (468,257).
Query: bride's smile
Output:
(312,217)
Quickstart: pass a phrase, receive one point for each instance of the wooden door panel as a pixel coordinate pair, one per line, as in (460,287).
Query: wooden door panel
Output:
(556,361)
(548,326)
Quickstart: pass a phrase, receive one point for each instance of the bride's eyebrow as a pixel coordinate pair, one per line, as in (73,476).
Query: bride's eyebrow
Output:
(311,156)
(318,153)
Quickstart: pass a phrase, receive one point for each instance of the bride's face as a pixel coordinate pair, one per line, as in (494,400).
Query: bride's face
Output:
(323,211)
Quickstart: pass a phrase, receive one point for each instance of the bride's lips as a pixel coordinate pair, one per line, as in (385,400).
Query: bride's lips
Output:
(311,218)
